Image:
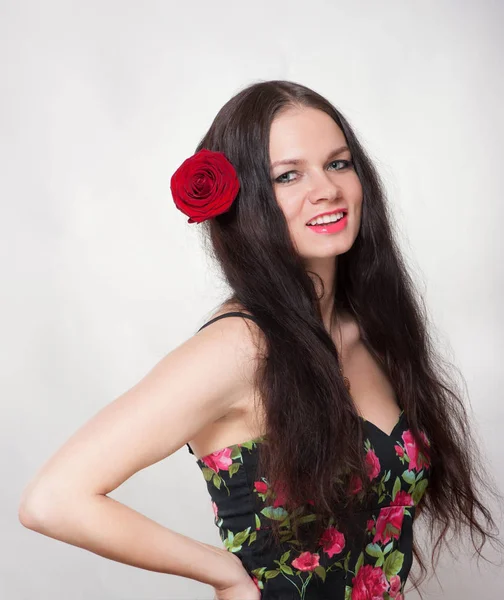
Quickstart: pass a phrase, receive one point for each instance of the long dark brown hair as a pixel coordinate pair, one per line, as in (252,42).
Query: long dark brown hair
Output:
(313,431)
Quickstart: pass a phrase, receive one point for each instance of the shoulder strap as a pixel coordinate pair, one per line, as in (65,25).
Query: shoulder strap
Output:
(229,314)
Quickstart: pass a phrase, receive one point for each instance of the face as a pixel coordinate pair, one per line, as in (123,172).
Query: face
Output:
(316,176)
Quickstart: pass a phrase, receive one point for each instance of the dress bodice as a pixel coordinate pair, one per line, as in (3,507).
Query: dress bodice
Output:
(376,568)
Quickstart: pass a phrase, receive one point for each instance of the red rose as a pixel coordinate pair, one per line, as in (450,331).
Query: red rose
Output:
(306,561)
(395,586)
(388,524)
(402,499)
(355,484)
(261,487)
(370,583)
(373,464)
(220,460)
(280,496)
(417,459)
(399,450)
(204,186)
(332,541)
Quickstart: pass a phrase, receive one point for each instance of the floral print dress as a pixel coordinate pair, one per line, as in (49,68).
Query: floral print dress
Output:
(377,569)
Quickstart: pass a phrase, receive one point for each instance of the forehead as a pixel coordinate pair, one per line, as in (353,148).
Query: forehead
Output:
(302,132)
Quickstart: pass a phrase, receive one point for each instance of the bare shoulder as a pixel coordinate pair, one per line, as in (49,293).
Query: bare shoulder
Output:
(246,331)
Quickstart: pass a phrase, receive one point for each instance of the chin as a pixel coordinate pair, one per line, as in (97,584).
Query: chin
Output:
(329,251)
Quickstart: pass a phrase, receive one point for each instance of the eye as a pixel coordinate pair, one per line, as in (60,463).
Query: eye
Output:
(345,165)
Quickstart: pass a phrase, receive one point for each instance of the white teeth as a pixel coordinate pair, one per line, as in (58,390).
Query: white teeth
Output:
(327,219)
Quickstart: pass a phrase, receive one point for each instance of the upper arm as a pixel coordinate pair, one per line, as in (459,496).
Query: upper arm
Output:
(191,387)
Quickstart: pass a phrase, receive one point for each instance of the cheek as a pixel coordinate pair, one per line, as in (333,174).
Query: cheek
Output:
(290,205)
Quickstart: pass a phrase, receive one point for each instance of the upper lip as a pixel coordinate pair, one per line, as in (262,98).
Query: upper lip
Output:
(329,212)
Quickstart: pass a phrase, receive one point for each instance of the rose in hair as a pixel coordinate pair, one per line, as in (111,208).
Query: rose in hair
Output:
(204,186)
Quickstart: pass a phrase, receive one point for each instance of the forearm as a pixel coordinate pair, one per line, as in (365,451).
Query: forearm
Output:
(115,531)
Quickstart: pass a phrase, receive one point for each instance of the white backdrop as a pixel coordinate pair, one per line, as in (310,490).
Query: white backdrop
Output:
(100,102)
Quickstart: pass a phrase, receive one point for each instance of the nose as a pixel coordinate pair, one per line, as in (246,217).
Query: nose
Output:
(323,188)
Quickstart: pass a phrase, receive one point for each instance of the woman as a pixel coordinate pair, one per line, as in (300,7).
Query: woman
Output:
(321,417)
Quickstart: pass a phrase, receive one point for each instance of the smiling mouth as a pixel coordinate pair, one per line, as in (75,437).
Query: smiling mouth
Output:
(331,222)
(331,227)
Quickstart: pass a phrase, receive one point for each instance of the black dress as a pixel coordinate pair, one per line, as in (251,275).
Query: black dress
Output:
(377,568)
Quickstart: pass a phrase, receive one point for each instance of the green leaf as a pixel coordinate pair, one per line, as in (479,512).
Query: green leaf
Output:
(277,514)
(388,548)
(233,468)
(242,536)
(236,452)
(360,562)
(420,475)
(387,476)
(396,488)
(321,572)
(379,561)
(409,476)
(253,537)
(257,521)
(306,519)
(393,563)
(286,569)
(271,574)
(285,556)
(419,490)
(249,444)
(207,473)
(348,593)
(374,550)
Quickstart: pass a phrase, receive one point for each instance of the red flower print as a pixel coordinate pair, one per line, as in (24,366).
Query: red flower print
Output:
(395,586)
(402,499)
(370,525)
(399,450)
(332,541)
(369,584)
(355,484)
(215,509)
(417,460)
(219,460)
(388,524)
(306,561)
(280,496)
(260,487)
(373,464)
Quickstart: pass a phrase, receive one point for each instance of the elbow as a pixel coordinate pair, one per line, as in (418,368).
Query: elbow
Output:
(32,510)
(40,508)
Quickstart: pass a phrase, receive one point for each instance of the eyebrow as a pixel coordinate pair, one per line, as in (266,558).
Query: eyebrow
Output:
(299,161)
